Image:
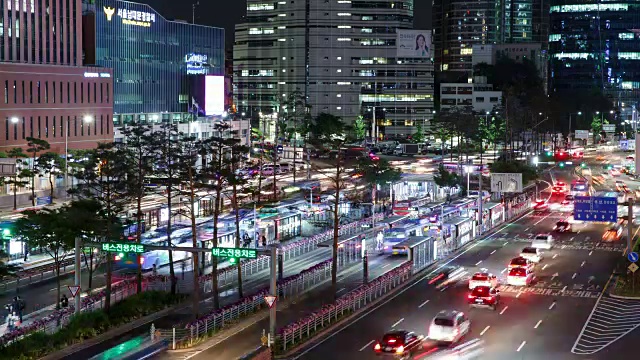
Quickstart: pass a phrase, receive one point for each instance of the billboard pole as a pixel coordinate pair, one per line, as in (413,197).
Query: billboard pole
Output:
(630,226)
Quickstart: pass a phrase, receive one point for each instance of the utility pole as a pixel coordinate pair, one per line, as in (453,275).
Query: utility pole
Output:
(193,11)
(273,291)
(630,226)
(77,268)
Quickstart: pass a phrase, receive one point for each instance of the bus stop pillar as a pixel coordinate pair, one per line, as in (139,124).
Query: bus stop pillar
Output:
(365,262)
(273,290)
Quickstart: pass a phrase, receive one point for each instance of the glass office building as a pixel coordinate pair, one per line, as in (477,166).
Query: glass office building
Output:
(153,59)
(596,45)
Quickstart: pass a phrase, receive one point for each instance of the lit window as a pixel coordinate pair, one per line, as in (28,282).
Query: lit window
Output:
(339,95)
(339,108)
(344,1)
(344,14)
(284,70)
(282,39)
(282,82)
(282,27)
(284,58)
(282,15)
(255,7)
(339,58)
(339,70)
(554,37)
(466,51)
(344,83)
(344,27)
(626,36)
(344,39)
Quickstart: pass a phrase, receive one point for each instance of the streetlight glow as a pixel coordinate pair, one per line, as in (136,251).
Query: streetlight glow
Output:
(87,118)
(579,112)
(15,120)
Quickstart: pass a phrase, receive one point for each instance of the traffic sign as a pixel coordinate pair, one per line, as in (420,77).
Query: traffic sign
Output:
(609,128)
(596,209)
(633,267)
(506,182)
(582,134)
(234,253)
(280,149)
(73,289)
(270,299)
(633,257)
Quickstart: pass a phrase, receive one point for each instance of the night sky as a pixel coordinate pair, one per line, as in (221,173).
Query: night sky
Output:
(227,13)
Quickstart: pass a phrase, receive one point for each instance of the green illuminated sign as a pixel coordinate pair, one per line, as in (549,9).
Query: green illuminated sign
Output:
(123,248)
(235,253)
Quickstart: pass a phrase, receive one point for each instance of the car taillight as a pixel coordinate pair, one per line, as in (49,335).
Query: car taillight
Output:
(377,347)
(400,349)
(471,296)
(391,341)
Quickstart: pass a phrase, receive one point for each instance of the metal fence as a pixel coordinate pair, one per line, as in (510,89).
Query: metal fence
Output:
(37,274)
(292,286)
(296,332)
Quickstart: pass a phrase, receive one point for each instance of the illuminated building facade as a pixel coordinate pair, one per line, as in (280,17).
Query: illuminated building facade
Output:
(343,56)
(153,58)
(596,45)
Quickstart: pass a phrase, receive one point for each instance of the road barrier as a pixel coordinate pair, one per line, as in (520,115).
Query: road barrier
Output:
(37,274)
(359,298)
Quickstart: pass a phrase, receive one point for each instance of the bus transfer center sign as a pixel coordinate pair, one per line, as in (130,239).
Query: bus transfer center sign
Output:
(123,248)
(235,253)
(131,17)
(596,209)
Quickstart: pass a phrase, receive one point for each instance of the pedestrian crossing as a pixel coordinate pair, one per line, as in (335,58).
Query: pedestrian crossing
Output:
(610,320)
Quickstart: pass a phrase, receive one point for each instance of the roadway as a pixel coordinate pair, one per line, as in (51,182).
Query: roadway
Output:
(542,321)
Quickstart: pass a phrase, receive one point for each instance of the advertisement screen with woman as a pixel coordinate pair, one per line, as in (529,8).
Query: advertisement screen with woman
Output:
(414,43)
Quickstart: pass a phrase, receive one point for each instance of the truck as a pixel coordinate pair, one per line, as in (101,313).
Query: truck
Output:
(406,149)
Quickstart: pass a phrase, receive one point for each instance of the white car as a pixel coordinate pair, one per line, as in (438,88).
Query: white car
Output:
(532,254)
(543,241)
(449,326)
(483,279)
(520,277)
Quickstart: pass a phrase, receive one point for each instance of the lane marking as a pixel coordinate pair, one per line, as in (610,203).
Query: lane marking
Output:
(584,262)
(527,229)
(553,304)
(521,346)
(384,266)
(564,288)
(538,324)
(503,270)
(574,275)
(397,323)
(573,237)
(419,282)
(479,262)
(555,256)
(485,330)
(493,252)
(518,295)
(503,310)
(367,345)
(343,289)
(545,266)
(590,252)
(423,304)
(541,220)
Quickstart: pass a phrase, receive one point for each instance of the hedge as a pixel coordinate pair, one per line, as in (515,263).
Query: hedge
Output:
(88,325)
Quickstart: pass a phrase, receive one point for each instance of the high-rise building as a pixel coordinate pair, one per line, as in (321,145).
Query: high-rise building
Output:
(595,45)
(348,58)
(156,62)
(460,24)
(46,92)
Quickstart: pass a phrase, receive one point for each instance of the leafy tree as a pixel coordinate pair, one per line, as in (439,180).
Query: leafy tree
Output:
(418,137)
(446,179)
(529,173)
(167,148)
(191,175)
(359,128)
(491,130)
(294,123)
(48,229)
(104,179)
(51,164)
(257,135)
(596,126)
(331,131)
(377,172)
(140,155)
(17,180)
(7,270)
(35,146)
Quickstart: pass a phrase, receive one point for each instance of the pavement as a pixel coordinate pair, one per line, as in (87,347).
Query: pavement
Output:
(542,321)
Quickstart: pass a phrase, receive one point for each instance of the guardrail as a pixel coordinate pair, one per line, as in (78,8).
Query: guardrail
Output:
(295,332)
(37,274)
(289,287)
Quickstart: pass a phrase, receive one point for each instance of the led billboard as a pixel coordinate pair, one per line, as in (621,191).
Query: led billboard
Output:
(214,95)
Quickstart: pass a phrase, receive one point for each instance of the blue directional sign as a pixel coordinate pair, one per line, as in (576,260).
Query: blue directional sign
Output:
(596,209)
(280,149)
(633,257)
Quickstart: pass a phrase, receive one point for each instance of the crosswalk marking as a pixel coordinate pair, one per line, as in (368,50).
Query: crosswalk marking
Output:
(610,320)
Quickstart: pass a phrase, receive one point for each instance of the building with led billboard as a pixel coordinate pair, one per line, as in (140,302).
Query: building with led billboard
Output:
(595,45)
(154,60)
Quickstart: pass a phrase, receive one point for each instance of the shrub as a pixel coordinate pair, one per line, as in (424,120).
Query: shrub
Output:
(88,325)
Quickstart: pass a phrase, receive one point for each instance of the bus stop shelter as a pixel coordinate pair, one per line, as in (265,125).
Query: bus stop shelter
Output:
(421,251)
(350,245)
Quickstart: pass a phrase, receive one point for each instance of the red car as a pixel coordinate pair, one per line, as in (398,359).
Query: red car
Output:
(541,206)
(484,296)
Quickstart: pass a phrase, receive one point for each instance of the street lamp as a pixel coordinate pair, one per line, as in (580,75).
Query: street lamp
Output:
(14,120)
(468,169)
(579,113)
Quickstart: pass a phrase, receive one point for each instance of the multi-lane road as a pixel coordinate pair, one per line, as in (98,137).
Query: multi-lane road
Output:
(543,321)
